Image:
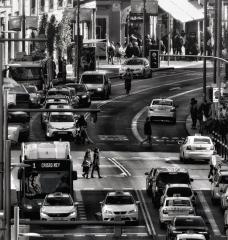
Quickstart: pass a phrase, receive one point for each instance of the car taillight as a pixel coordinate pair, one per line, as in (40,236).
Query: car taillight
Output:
(189,148)
(151,109)
(191,211)
(165,211)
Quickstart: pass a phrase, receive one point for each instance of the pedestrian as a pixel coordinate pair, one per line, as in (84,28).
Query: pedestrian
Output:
(213,163)
(136,49)
(64,72)
(147,131)
(118,53)
(127,80)
(129,50)
(82,124)
(193,112)
(96,163)
(87,162)
(60,68)
(111,53)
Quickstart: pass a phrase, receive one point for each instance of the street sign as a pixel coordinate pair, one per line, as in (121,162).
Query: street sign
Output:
(137,6)
(152,7)
(216,94)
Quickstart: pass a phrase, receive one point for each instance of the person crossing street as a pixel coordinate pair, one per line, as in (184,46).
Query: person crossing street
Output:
(127,80)
(147,131)
(96,163)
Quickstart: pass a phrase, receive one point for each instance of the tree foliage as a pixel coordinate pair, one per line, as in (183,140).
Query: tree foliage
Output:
(64,35)
(51,33)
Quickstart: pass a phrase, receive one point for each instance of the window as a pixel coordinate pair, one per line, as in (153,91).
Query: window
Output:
(50,4)
(42,5)
(33,6)
(60,3)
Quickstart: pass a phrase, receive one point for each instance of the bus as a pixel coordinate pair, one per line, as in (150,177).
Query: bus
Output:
(26,72)
(18,98)
(48,169)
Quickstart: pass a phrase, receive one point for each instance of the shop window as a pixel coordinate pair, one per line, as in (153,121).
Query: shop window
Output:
(50,4)
(33,7)
(60,3)
(42,5)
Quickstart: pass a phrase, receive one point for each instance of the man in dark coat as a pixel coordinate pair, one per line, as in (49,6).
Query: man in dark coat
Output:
(96,163)
(147,131)
(127,80)
(193,112)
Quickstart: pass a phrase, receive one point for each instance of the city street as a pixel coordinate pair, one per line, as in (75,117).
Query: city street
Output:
(118,133)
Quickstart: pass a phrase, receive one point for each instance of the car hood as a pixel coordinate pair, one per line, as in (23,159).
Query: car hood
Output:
(94,86)
(120,208)
(62,125)
(58,209)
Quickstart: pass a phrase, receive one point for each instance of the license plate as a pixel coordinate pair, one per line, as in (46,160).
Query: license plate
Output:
(62,132)
(58,218)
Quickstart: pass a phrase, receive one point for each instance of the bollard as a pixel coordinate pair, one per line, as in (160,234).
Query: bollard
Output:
(117,228)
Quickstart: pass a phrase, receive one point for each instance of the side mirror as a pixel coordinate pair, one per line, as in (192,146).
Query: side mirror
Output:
(146,173)
(180,142)
(191,179)
(74,175)
(76,204)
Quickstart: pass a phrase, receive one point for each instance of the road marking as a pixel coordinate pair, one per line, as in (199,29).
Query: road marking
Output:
(208,213)
(81,206)
(120,166)
(174,88)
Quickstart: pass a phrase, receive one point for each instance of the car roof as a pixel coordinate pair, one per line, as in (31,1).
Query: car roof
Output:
(58,88)
(179,185)
(177,198)
(172,169)
(98,72)
(162,99)
(119,193)
(191,236)
(58,194)
(61,113)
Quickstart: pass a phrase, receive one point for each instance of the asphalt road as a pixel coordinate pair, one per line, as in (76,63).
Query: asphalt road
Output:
(117,133)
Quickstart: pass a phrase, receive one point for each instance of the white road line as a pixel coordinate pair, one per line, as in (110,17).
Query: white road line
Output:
(208,213)
(121,166)
(111,160)
(174,88)
(134,122)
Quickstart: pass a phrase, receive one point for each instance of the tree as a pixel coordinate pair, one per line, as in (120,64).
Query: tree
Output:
(51,32)
(64,35)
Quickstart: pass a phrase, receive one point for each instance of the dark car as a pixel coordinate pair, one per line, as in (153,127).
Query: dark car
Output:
(157,179)
(98,83)
(82,93)
(185,224)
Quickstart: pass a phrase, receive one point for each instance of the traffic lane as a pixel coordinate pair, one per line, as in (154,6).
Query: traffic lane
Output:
(115,110)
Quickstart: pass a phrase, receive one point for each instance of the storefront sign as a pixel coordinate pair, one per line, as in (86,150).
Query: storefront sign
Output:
(137,6)
(31,22)
(15,23)
(152,7)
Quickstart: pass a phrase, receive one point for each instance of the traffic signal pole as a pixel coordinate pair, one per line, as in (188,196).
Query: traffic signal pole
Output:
(204,51)
(78,34)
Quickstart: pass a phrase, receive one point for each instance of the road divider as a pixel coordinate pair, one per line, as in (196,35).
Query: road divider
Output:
(120,166)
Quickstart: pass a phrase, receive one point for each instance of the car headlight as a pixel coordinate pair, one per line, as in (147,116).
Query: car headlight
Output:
(99,89)
(133,211)
(28,206)
(50,126)
(73,213)
(84,96)
(108,211)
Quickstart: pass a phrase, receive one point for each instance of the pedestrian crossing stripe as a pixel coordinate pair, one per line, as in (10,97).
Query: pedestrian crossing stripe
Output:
(113,137)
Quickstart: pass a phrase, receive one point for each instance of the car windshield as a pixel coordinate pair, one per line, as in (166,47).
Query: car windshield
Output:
(162,102)
(58,201)
(181,191)
(31,89)
(134,62)
(202,140)
(92,79)
(58,92)
(224,180)
(185,222)
(36,183)
(25,73)
(61,118)
(172,177)
(119,200)
(178,202)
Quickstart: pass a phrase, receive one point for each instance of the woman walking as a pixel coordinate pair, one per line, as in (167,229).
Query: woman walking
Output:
(87,161)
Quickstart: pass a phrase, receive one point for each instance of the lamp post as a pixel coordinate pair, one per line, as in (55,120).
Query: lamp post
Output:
(204,51)
(78,34)
(23,24)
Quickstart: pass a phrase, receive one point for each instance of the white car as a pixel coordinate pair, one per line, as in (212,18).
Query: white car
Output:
(190,236)
(58,207)
(120,205)
(140,67)
(175,206)
(162,109)
(61,124)
(179,190)
(197,148)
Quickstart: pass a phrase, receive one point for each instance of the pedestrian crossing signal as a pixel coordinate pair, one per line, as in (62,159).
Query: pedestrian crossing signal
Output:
(154,58)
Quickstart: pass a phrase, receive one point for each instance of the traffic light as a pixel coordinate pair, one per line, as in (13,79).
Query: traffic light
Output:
(210,94)
(154,58)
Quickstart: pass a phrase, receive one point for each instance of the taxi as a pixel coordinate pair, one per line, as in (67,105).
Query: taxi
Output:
(58,207)
(162,109)
(190,236)
(197,147)
(121,205)
(175,206)
(181,190)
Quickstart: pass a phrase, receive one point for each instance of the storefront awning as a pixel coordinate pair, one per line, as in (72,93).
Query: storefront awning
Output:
(181,10)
